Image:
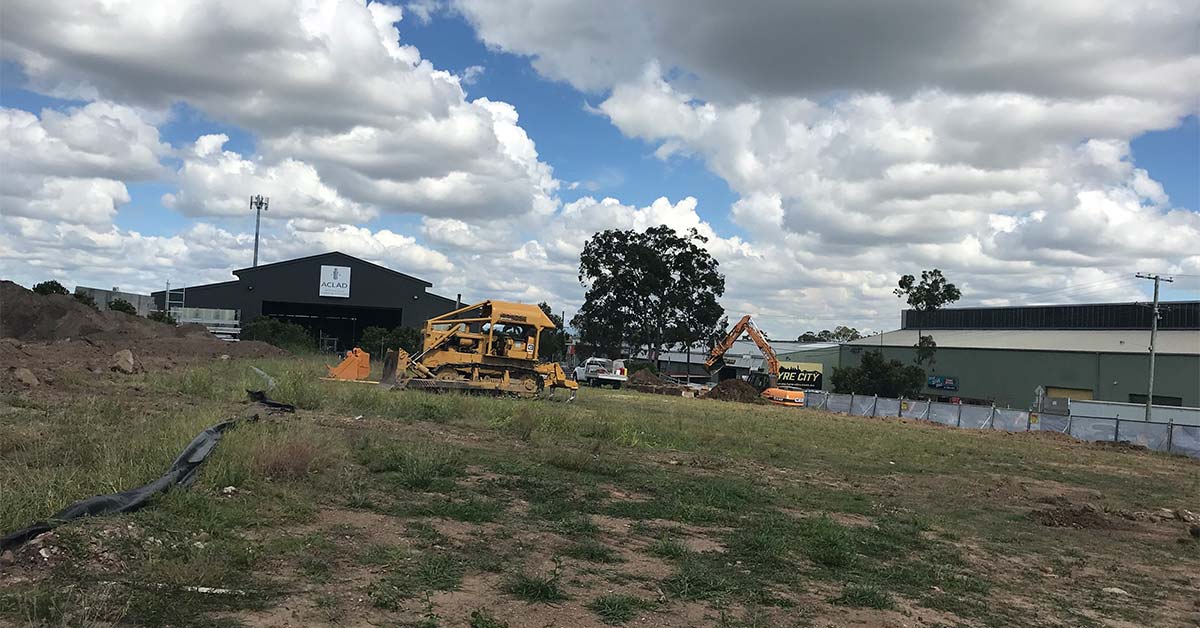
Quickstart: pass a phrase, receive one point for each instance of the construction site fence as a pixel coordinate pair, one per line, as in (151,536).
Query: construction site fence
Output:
(1158,436)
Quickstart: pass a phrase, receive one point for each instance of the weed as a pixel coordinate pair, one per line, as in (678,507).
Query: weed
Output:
(669,547)
(482,618)
(541,587)
(701,576)
(864,596)
(431,572)
(617,608)
(290,456)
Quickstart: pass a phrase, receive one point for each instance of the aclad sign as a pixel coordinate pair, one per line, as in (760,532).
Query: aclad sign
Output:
(335,282)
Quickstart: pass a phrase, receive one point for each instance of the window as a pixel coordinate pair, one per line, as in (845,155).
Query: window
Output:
(1159,400)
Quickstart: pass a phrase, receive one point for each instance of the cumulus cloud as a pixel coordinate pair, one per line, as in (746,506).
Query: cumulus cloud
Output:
(991,140)
(326,85)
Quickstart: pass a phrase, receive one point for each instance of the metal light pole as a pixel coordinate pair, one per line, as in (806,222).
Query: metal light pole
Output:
(259,204)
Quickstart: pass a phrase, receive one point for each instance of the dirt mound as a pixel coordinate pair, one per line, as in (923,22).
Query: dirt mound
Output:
(645,376)
(733,390)
(31,317)
(1083,517)
(52,334)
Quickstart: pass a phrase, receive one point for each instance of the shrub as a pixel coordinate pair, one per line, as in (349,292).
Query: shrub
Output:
(162,317)
(282,334)
(288,458)
(50,287)
(86,299)
(378,339)
(633,366)
(121,305)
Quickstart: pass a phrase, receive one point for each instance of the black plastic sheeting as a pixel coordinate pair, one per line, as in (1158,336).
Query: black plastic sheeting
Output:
(260,396)
(182,473)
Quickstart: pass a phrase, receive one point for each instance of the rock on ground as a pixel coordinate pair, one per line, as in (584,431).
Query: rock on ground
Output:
(25,376)
(123,361)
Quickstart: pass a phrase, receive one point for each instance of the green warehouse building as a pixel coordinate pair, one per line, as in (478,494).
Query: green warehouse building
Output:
(1010,355)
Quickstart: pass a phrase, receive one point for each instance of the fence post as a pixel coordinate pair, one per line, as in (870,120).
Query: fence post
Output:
(992,417)
(900,407)
(958,423)
(875,405)
(1070,420)
(1170,433)
(1117,430)
(851,410)
(1028,421)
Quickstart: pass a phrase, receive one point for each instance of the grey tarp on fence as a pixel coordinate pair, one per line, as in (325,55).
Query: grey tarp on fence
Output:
(1085,428)
(886,406)
(838,403)
(1150,435)
(1010,420)
(910,409)
(944,413)
(1186,440)
(975,417)
(1052,423)
(863,405)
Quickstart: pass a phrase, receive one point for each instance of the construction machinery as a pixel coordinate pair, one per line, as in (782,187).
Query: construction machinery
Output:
(489,348)
(767,383)
(355,367)
(747,326)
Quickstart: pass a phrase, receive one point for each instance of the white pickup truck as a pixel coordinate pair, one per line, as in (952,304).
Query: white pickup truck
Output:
(601,372)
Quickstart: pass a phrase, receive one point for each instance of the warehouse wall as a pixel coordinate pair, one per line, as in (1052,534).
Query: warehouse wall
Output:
(1010,377)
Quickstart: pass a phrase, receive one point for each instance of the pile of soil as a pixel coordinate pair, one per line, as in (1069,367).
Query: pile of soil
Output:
(1082,517)
(733,390)
(51,334)
(645,376)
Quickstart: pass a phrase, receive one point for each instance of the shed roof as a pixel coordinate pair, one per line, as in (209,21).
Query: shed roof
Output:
(331,257)
(1184,342)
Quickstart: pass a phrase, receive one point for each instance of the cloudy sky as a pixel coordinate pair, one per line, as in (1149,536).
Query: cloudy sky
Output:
(1035,152)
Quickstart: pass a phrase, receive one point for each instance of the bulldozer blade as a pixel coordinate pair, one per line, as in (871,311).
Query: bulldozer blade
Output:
(390,360)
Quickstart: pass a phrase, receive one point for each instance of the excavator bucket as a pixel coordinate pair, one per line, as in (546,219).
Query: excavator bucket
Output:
(355,367)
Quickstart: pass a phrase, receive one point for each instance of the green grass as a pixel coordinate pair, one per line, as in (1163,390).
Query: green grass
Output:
(544,588)
(754,478)
(591,550)
(483,618)
(615,609)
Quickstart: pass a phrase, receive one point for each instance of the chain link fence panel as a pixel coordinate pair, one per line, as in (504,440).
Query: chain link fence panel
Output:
(944,413)
(838,403)
(1086,428)
(1150,435)
(885,406)
(1185,439)
(975,417)
(863,405)
(910,409)
(1010,420)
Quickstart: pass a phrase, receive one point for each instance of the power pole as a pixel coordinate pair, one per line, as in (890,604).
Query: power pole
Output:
(1154,314)
(259,204)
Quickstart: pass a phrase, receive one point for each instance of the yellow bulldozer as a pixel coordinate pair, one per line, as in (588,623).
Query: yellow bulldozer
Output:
(489,348)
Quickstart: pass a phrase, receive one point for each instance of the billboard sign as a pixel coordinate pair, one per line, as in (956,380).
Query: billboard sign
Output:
(942,382)
(335,282)
(804,375)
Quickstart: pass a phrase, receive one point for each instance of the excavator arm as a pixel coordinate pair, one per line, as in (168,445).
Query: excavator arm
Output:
(745,326)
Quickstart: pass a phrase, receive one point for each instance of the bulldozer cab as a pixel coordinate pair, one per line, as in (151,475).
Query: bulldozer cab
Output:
(492,328)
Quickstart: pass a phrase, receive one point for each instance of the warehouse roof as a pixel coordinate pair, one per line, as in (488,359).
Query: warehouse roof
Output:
(1185,342)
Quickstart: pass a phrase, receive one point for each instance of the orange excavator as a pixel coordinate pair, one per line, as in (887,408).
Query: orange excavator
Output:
(767,383)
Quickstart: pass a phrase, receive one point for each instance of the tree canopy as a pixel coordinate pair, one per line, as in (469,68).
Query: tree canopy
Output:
(648,289)
(49,287)
(878,376)
(121,305)
(841,333)
(552,346)
(931,293)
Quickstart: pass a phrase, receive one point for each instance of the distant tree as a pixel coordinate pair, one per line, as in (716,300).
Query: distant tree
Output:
(121,305)
(86,299)
(162,317)
(841,333)
(931,293)
(647,289)
(878,376)
(282,334)
(50,287)
(378,340)
(552,345)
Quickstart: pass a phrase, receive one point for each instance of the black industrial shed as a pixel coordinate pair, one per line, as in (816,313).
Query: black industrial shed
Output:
(334,295)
